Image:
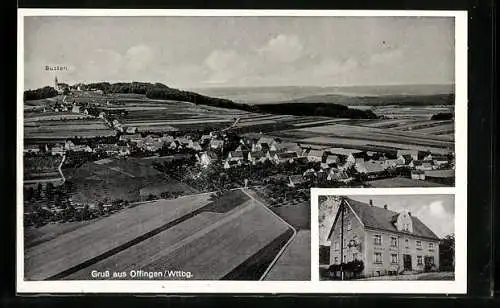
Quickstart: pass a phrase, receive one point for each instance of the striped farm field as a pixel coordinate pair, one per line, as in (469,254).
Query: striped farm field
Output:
(418,125)
(359,132)
(295,262)
(81,245)
(438,129)
(373,144)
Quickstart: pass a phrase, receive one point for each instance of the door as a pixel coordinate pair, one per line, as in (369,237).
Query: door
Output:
(407,262)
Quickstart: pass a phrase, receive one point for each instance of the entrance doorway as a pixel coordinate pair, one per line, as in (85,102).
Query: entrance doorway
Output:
(407,262)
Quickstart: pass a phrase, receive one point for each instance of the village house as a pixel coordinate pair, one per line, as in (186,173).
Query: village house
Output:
(349,157)
(296,180)
(315,155)
(332,159)
(232,164)
(265,143)
(424,165)
(439,160)
(371,169)
(124,151)
(387,242)
(289,147)
(418,175)
(257,157)
(75,109)
(336,175)
(414,154)
(405,159)
(216,144)
(280,158)
(206,158)
(58,149)
(109,148)
(196,146)
(235,156)
(31,148)
(131,130)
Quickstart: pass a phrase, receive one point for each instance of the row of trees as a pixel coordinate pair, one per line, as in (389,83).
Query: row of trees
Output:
(45,92)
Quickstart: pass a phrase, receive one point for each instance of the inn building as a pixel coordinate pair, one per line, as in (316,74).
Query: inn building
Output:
(387,242)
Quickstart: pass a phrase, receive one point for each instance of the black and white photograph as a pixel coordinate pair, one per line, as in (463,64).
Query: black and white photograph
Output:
(386,237)
(181,147)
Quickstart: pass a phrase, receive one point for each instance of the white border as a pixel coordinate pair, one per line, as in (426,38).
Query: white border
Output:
(459,286)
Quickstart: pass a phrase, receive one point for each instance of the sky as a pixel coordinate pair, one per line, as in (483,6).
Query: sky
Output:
(198,52)
(436,211)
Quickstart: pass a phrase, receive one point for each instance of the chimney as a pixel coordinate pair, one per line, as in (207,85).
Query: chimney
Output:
(385,206)
(371,202)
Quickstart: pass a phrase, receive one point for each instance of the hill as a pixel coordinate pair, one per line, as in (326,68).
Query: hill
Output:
(163,92)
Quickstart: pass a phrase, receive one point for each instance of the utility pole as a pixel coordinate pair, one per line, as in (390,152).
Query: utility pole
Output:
(342,238)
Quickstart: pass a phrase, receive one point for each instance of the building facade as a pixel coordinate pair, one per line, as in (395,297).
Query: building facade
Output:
(386,241)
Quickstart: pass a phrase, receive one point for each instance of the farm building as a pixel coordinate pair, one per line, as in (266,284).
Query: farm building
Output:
(257,156)
(296,180)
(206,158)
(124,151)
(131,130)
(315,155)
(331,159)
(235,156)
(405,158)
(413,153)
(371,169)
(228,164)
(109,148)
(216,143)
(57,150)
(280,158)
(288,147)
(387,242)
(439,160)
(336,175)
(424,165)
(418,175)
(31,148)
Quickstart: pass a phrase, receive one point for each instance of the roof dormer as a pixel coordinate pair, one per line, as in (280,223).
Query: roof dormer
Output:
(403,221)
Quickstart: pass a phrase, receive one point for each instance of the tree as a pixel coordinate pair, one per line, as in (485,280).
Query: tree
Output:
(447,253)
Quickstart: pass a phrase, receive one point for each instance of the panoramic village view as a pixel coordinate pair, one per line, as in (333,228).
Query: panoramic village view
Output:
(142,180)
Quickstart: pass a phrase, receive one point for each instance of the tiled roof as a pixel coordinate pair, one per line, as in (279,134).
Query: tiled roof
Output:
(380,218)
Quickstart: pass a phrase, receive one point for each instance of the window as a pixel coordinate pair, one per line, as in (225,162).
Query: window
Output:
(394,258)
(377,239)
(345,258)
(419,244)
(355,256)
(407,243)
(431,246)
(405,227)
(349,226)
(394,241)
(336,260)
(344,243)
(419,260)
(355,240)
(377,257)
(336,245)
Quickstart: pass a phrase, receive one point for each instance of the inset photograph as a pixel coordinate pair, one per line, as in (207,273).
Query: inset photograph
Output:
(386,237)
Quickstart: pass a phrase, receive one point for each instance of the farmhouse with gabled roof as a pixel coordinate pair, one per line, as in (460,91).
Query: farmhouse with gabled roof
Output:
(387,242)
